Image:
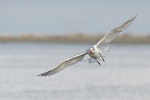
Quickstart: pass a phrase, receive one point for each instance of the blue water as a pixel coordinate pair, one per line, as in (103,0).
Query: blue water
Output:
(124,75)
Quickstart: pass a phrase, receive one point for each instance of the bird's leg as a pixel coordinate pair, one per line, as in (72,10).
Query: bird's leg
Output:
(98,61)
(103,59)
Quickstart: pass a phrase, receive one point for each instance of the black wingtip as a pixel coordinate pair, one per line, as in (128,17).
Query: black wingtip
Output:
(45,74)
(41,75)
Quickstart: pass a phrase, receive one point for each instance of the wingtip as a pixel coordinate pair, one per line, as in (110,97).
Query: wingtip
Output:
(136,15)
(41,75)
(132,18)
(44,75)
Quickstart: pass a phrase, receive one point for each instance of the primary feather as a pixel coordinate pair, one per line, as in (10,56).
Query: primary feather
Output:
(114,32)
(64,64)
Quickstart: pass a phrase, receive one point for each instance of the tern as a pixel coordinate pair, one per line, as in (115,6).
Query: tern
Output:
(94,52)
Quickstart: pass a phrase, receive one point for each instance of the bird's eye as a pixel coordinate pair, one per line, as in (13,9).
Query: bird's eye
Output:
(91,49)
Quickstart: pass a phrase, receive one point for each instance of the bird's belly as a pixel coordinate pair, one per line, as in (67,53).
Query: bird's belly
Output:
(94,55)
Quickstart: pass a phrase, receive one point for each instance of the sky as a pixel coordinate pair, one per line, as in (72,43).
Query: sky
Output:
(71,16)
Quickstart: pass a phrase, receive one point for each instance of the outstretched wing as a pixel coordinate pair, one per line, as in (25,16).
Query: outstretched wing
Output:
(114,32)
(64,64)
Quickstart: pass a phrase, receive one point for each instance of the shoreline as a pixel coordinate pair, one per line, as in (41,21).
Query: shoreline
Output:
(75,38)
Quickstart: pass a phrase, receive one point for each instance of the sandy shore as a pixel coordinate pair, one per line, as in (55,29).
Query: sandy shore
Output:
(75,37)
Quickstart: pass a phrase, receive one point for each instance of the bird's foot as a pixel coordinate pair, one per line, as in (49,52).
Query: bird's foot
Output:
(103,59)
(98,62)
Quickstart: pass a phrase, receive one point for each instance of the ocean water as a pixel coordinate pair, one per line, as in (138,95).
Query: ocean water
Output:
(124,76)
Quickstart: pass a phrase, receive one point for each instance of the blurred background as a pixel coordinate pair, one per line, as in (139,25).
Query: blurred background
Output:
(36,35)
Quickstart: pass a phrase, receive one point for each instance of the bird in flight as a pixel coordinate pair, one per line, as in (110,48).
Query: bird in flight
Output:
(94,52)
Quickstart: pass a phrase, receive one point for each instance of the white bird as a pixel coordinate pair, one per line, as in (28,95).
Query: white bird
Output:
(94,52)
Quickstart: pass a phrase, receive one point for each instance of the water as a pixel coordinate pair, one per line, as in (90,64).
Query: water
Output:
(124,75)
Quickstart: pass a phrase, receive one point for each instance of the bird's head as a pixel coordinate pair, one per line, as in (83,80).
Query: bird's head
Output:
(91,50)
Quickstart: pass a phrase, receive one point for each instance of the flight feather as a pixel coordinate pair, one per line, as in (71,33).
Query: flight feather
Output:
(64,64)
(114,32)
